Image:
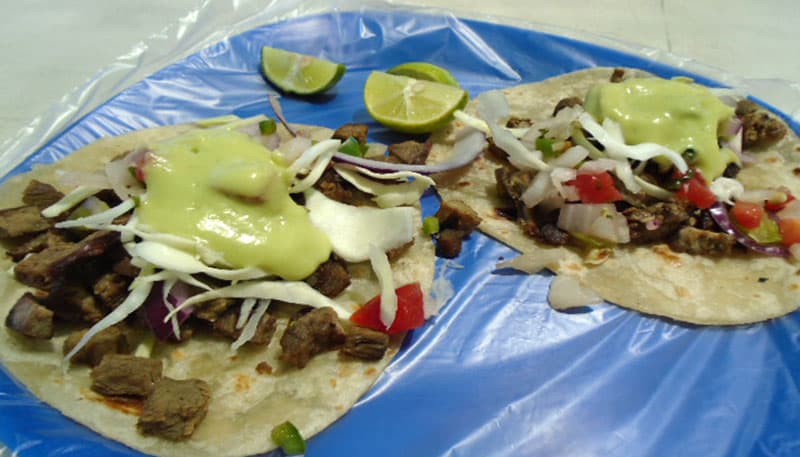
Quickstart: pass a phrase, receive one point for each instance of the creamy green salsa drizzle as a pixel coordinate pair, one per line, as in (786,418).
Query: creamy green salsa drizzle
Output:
(678,114)
(230,194)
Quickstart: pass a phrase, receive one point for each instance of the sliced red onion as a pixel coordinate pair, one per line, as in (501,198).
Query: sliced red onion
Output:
(466,149)
(720,215)
(157,309)
(276,107)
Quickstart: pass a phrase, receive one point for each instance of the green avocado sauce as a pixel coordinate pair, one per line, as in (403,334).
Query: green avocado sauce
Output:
(678,114)
(231,194)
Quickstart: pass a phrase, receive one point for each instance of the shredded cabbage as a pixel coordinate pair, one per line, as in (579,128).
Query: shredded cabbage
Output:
(351,229)
(609,136)
(132,302)
(406,190)
(168,258)
(100,220)
(383,271)
(70,200)
(249,330)
(289,291)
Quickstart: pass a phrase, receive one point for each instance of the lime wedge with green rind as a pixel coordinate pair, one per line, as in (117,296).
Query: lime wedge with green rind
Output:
(299,73)
(411,105)
(426,71)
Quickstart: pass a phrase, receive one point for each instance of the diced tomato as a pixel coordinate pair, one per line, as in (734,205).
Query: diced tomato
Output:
(790,231)
(696,191)
(747,214)
(596,188)
(775,207)
(410,311)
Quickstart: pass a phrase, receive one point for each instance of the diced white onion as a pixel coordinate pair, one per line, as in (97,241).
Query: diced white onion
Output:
(726,189)
(519,156)
(571,157)
(559,176)
(539,189)
(566,292)
(599,220)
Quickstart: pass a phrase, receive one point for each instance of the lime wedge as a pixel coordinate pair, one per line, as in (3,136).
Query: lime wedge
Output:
(299,73)
(411,105)
(426,71)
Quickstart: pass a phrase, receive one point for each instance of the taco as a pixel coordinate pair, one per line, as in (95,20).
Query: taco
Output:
(204,334)
(661,196)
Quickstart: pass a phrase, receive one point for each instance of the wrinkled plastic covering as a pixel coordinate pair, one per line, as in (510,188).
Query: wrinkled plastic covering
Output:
(497,372)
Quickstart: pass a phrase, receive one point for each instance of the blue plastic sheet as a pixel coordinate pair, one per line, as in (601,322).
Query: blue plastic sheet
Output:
(497,372)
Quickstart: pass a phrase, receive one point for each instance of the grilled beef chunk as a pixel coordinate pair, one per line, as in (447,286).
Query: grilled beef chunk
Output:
(330,278)
(744,107)
(211,310)
(518,123)
(655,222)
(175,408)
(22,221)
(512,183)
(112,340)
(457,215)
(111,289)
(36,244)
(456,221)
(760,128)
(311,334)
(335,187)
(122,374)
(40,195)
(30,318)
(703,242)
(124,267)
(74,302)
(567,103)
(226,325)
(357,131)
(731,171)
(44,269)
(618,75)
(448,243)
(551,234)
(412,152)
(364,343)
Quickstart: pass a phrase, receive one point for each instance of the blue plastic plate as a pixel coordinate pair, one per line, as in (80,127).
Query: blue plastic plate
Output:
(497,372)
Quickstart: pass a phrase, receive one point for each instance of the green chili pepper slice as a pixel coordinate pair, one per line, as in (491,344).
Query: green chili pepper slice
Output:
(288,438)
